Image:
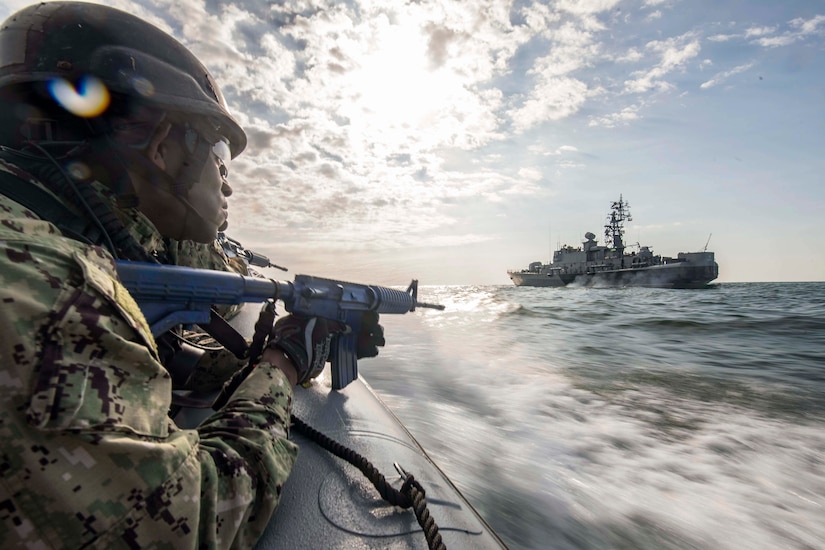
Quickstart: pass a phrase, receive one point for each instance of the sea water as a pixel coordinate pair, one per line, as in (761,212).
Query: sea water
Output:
(594,418)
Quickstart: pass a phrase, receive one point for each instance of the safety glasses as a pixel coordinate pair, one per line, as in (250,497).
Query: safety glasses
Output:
(221,151)
(218,145)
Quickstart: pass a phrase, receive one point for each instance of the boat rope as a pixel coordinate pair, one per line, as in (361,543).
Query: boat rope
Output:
(411,494)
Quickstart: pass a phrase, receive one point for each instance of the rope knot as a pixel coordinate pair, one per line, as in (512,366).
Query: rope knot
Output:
(411,494)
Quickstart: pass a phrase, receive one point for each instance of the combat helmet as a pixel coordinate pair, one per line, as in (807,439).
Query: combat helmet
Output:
(73,41)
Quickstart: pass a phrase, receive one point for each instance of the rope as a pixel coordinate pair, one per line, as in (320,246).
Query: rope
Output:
(411,494)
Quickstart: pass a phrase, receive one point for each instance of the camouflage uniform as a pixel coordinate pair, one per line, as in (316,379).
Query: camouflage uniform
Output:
(206,256)
(89,456)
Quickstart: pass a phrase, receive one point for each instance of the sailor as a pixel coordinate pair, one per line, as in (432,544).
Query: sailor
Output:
(116,143)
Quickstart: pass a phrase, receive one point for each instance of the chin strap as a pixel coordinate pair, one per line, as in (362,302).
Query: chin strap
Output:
(192,168)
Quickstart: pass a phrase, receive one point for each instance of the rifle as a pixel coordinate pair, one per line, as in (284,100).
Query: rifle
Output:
(174,295)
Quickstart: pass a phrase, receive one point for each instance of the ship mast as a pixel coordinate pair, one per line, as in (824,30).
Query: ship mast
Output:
(613,231)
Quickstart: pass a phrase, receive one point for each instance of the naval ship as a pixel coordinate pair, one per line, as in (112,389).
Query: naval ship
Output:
(613,265)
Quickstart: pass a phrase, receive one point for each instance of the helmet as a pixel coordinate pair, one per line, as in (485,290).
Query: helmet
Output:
(132,58)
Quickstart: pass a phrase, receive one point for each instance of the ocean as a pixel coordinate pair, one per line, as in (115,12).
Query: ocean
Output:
(632,418)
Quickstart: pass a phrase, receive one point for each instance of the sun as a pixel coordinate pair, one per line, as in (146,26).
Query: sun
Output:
(396,85)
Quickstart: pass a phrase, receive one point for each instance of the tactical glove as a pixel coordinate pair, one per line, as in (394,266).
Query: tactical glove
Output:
(306,341)
(371,335)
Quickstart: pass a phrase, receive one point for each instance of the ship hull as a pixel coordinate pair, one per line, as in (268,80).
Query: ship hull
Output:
(660,276)
(536,279)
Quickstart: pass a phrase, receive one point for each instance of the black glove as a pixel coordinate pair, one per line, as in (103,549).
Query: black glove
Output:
(306,341)
(371,335)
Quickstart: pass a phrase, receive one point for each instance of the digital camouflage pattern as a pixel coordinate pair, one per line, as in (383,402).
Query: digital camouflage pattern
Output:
(206,256)
(88,456)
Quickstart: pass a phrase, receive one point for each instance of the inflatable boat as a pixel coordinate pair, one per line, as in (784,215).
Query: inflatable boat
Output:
(329,502)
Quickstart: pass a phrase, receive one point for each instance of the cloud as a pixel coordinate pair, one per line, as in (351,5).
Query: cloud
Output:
(625,116)
(800,29)
(806,27)
(654,15)
(333,98)
(631,56)
(721,77)
(673,54)
(564,149)
(770,37)
(759,31)
(556,94)
(554,99)
(778,41)
(721,37)
(586,7)
(532,174)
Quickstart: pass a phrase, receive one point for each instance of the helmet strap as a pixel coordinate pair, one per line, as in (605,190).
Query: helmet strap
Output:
(192,168)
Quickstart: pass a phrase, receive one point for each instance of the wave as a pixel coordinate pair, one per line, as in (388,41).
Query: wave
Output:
(630,387)
(784,324)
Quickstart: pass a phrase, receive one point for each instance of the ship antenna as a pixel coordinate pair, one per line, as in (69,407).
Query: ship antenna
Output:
(707,243)
(613,231)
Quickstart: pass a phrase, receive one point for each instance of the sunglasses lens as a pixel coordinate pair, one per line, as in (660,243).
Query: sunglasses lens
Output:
(221,150)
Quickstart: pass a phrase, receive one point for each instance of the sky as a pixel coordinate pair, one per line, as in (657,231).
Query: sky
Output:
(450,141)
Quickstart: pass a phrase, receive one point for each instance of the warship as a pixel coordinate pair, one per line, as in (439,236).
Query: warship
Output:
(612,264)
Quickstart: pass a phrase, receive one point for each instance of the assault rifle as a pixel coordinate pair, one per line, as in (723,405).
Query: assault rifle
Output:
(174,295)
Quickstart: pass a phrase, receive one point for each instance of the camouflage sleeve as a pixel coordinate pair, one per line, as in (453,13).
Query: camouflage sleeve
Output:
(215,365)
(250,410)
(88,456)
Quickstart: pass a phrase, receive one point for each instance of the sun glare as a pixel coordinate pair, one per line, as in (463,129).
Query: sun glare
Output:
(396,86)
